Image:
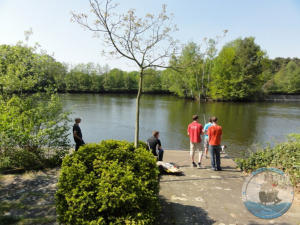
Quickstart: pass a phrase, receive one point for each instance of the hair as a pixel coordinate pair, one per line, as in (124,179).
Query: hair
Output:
(214,119)
(77,119)
(210,120)
(155,133)
(195,117)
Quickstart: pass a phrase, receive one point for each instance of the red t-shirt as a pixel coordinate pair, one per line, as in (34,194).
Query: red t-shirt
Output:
(214,133)
(195,130)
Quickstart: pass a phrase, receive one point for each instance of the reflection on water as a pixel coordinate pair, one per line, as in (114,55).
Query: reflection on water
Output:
(244,124)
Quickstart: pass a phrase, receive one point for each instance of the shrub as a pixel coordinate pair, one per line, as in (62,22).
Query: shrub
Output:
(108,183)
(26,159)
(29,125)
(285,156)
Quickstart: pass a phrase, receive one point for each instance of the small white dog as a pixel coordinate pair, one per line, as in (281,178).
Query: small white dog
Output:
(223,148)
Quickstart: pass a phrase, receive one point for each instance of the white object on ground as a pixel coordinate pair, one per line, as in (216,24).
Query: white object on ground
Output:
(168,167)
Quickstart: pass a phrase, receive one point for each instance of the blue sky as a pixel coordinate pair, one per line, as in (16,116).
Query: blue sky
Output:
(274,23)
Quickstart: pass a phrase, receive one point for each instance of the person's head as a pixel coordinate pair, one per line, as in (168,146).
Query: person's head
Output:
(210,120)
(214,119)
(77,120)
(155,134)
(195,117)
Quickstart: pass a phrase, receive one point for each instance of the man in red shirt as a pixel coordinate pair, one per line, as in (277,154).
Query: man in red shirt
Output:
(214,135)
(194,130)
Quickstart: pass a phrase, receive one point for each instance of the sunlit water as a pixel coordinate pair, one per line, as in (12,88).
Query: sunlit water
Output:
(245,125)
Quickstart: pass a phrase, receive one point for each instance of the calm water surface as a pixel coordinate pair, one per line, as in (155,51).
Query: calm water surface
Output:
(245,125)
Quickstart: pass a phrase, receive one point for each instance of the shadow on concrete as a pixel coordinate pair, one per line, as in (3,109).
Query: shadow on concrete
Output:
(163,173)
(29,198)
(197,179)
(175,213)
(8,220)
(255,223)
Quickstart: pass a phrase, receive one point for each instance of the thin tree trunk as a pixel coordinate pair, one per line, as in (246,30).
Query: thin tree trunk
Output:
(208,78)
(203,74)
(137,119)
(198,89)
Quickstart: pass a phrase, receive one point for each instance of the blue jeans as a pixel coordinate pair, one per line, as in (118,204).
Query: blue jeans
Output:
(215,156)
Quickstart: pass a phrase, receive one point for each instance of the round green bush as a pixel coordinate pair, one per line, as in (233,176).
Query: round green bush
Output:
(25,159)
(108,183)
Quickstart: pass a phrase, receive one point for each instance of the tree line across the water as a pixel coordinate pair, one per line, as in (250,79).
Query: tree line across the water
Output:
(240,71)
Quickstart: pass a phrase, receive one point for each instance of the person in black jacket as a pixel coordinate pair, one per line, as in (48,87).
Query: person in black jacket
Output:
(77,135)
(155,145)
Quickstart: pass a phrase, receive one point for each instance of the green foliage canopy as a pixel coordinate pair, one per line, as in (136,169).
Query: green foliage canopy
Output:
(237,72)
(33,127)
(240,71)
(286,80)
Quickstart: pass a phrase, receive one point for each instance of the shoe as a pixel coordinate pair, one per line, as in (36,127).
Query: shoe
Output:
(219,169)
(199,165)
(194,164)
(214,169)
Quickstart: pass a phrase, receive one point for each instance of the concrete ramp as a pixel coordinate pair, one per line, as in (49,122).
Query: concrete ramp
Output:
(202,196)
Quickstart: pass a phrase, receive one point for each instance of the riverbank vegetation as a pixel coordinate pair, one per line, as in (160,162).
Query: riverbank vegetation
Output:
(284,156)
(33,127)
(241,71)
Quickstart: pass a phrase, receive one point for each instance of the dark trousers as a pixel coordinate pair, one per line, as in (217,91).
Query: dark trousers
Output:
(160,154)
(78,144)
(215,156)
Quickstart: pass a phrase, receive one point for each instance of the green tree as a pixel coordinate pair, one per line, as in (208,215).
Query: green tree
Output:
(192,72)
(186,82)
(96,83)
(286,80)
(33,131)
(152,80)
(22,69)
(19,68)
(146,41)
(30,123)
(131,80)
(116,79)
(237,72)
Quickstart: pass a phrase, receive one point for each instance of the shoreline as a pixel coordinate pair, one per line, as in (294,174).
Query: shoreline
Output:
(266,98)
(263,98)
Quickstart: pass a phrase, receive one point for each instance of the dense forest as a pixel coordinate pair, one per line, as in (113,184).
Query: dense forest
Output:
(240,71)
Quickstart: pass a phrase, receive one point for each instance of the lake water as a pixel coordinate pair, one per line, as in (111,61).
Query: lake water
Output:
(245,125)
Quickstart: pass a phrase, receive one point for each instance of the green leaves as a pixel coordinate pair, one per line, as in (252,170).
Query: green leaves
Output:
(286,80)
(285,156)
(237,71)
(33,130)
(187,81)
(108,183)
(23,70)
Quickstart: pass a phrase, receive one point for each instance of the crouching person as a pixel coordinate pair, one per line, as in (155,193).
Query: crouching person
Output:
(155,145)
